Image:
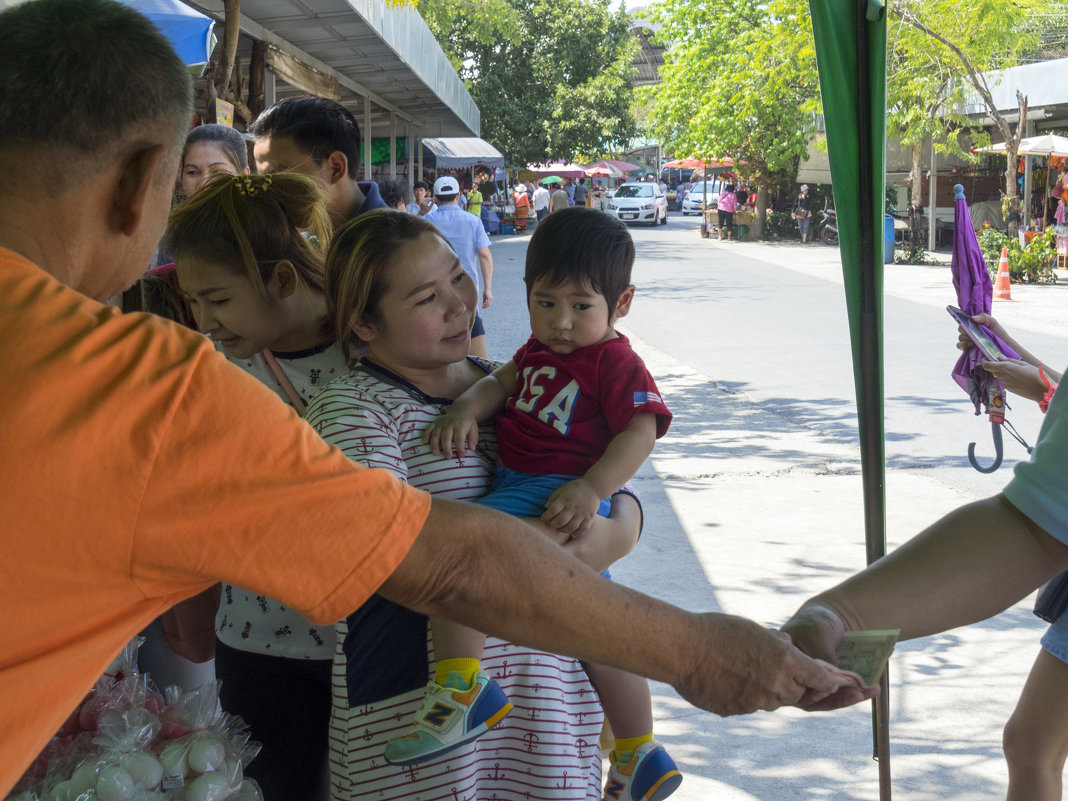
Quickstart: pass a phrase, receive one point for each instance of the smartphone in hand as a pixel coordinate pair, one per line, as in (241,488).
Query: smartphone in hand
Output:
(979,334)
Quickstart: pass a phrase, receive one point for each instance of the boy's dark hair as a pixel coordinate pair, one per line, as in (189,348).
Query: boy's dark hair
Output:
(392,193)
(317,125)
(582,245)
(420,185)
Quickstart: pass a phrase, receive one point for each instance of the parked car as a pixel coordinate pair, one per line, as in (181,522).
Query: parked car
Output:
(639,202)
(698,194)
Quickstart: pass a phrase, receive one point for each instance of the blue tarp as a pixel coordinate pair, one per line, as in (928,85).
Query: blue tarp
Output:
(188,30)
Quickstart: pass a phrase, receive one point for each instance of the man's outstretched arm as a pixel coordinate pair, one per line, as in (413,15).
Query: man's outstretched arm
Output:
(494,573)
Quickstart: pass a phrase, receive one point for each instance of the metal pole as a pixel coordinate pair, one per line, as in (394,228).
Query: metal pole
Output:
(269,89)
(870,424)
(367,138)
(931,202)
(392,146)
(1025,216)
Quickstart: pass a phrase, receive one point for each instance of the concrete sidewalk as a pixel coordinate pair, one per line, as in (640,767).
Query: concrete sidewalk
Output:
(750,514)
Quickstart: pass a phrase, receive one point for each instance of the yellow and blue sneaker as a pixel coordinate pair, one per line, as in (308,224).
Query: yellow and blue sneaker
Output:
(647,774)
(451,715)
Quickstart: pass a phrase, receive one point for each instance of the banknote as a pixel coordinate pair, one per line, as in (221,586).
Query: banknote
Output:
(864,653)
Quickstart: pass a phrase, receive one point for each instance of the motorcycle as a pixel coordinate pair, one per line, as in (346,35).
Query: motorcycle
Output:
(829,223)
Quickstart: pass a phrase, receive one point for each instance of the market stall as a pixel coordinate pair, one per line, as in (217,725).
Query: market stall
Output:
(478,157)
(1052,148)
(461,152)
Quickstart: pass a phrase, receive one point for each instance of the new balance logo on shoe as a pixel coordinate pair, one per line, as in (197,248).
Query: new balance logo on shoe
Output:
(439,714)
(614,789)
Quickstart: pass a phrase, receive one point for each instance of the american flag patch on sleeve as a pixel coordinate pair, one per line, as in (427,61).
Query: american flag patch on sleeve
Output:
(641,398)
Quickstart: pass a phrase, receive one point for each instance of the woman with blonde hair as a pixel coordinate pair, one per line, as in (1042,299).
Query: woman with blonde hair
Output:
(248,254)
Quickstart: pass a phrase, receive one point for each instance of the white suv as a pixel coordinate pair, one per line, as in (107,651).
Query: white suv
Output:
(639,202)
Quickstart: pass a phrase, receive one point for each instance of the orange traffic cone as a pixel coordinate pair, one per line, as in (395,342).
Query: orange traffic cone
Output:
(1001,286)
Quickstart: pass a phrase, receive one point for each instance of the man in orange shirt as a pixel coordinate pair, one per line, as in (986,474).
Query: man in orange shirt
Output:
(139,467)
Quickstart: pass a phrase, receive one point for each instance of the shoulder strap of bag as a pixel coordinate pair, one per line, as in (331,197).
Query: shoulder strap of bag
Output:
(287,385)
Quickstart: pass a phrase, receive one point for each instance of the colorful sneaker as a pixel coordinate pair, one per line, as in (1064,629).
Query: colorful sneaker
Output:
(450,716)
(647,774)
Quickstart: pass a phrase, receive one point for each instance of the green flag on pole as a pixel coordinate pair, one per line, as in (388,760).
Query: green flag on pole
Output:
(850,40)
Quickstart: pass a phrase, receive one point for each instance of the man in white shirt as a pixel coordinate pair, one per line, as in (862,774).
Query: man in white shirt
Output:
(468,238)
(541,202)
(423,203)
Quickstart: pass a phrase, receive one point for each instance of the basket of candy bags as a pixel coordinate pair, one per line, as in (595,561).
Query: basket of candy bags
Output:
(127,741)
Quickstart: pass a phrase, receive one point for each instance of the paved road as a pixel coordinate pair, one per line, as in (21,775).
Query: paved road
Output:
(753,498)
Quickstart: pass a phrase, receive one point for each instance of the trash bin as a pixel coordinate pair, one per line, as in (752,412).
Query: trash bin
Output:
(888,240)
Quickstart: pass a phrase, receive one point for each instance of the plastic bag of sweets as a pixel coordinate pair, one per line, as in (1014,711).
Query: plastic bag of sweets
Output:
(205,761)
(122,768)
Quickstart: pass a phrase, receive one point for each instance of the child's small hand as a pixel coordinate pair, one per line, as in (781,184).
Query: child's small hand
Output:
(452,434)
(572,507)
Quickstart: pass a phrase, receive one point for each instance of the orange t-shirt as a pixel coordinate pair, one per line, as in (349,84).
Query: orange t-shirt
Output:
(139,467)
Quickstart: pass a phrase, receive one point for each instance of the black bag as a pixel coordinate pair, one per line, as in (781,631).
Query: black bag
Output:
(1053,598)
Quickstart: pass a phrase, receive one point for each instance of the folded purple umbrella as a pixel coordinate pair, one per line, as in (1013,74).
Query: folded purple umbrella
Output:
(975,291)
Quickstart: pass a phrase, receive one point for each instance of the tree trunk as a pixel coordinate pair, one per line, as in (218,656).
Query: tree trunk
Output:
(915,220)
(760,213)
(209,101)
(231,33)
(256,79)
(917,172)
(1011,203)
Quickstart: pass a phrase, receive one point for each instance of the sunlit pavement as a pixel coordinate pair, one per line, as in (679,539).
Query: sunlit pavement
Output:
(749,513)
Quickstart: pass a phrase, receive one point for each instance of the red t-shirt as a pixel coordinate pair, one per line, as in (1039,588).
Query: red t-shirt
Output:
(566,409)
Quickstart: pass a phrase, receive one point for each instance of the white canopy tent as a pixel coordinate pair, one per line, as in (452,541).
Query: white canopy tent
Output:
(462,151)
(1045,145)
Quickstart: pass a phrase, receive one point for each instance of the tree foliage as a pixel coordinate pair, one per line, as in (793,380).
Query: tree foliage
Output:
(550,77)
(739,80)
(457,24)
(924,95)
(968,40)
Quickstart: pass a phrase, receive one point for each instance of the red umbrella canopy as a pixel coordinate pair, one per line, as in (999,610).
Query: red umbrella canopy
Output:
(711,166)
(605,169)
(686,164)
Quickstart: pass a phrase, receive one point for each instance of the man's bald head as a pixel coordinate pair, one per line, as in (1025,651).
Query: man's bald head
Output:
(82,82)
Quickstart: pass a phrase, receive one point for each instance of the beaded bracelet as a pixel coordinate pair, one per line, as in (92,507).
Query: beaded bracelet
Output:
(1050,389)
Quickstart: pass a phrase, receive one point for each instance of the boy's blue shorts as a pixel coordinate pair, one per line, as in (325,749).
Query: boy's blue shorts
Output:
(525,494)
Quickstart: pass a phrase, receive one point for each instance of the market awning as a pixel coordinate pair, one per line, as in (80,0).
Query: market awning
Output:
(462,151)
(558,168)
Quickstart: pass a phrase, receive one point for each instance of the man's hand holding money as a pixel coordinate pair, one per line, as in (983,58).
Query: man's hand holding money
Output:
(857,658)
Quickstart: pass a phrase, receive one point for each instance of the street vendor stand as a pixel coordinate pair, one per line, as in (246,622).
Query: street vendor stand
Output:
(444,155)
(1046,146)
(743,218)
